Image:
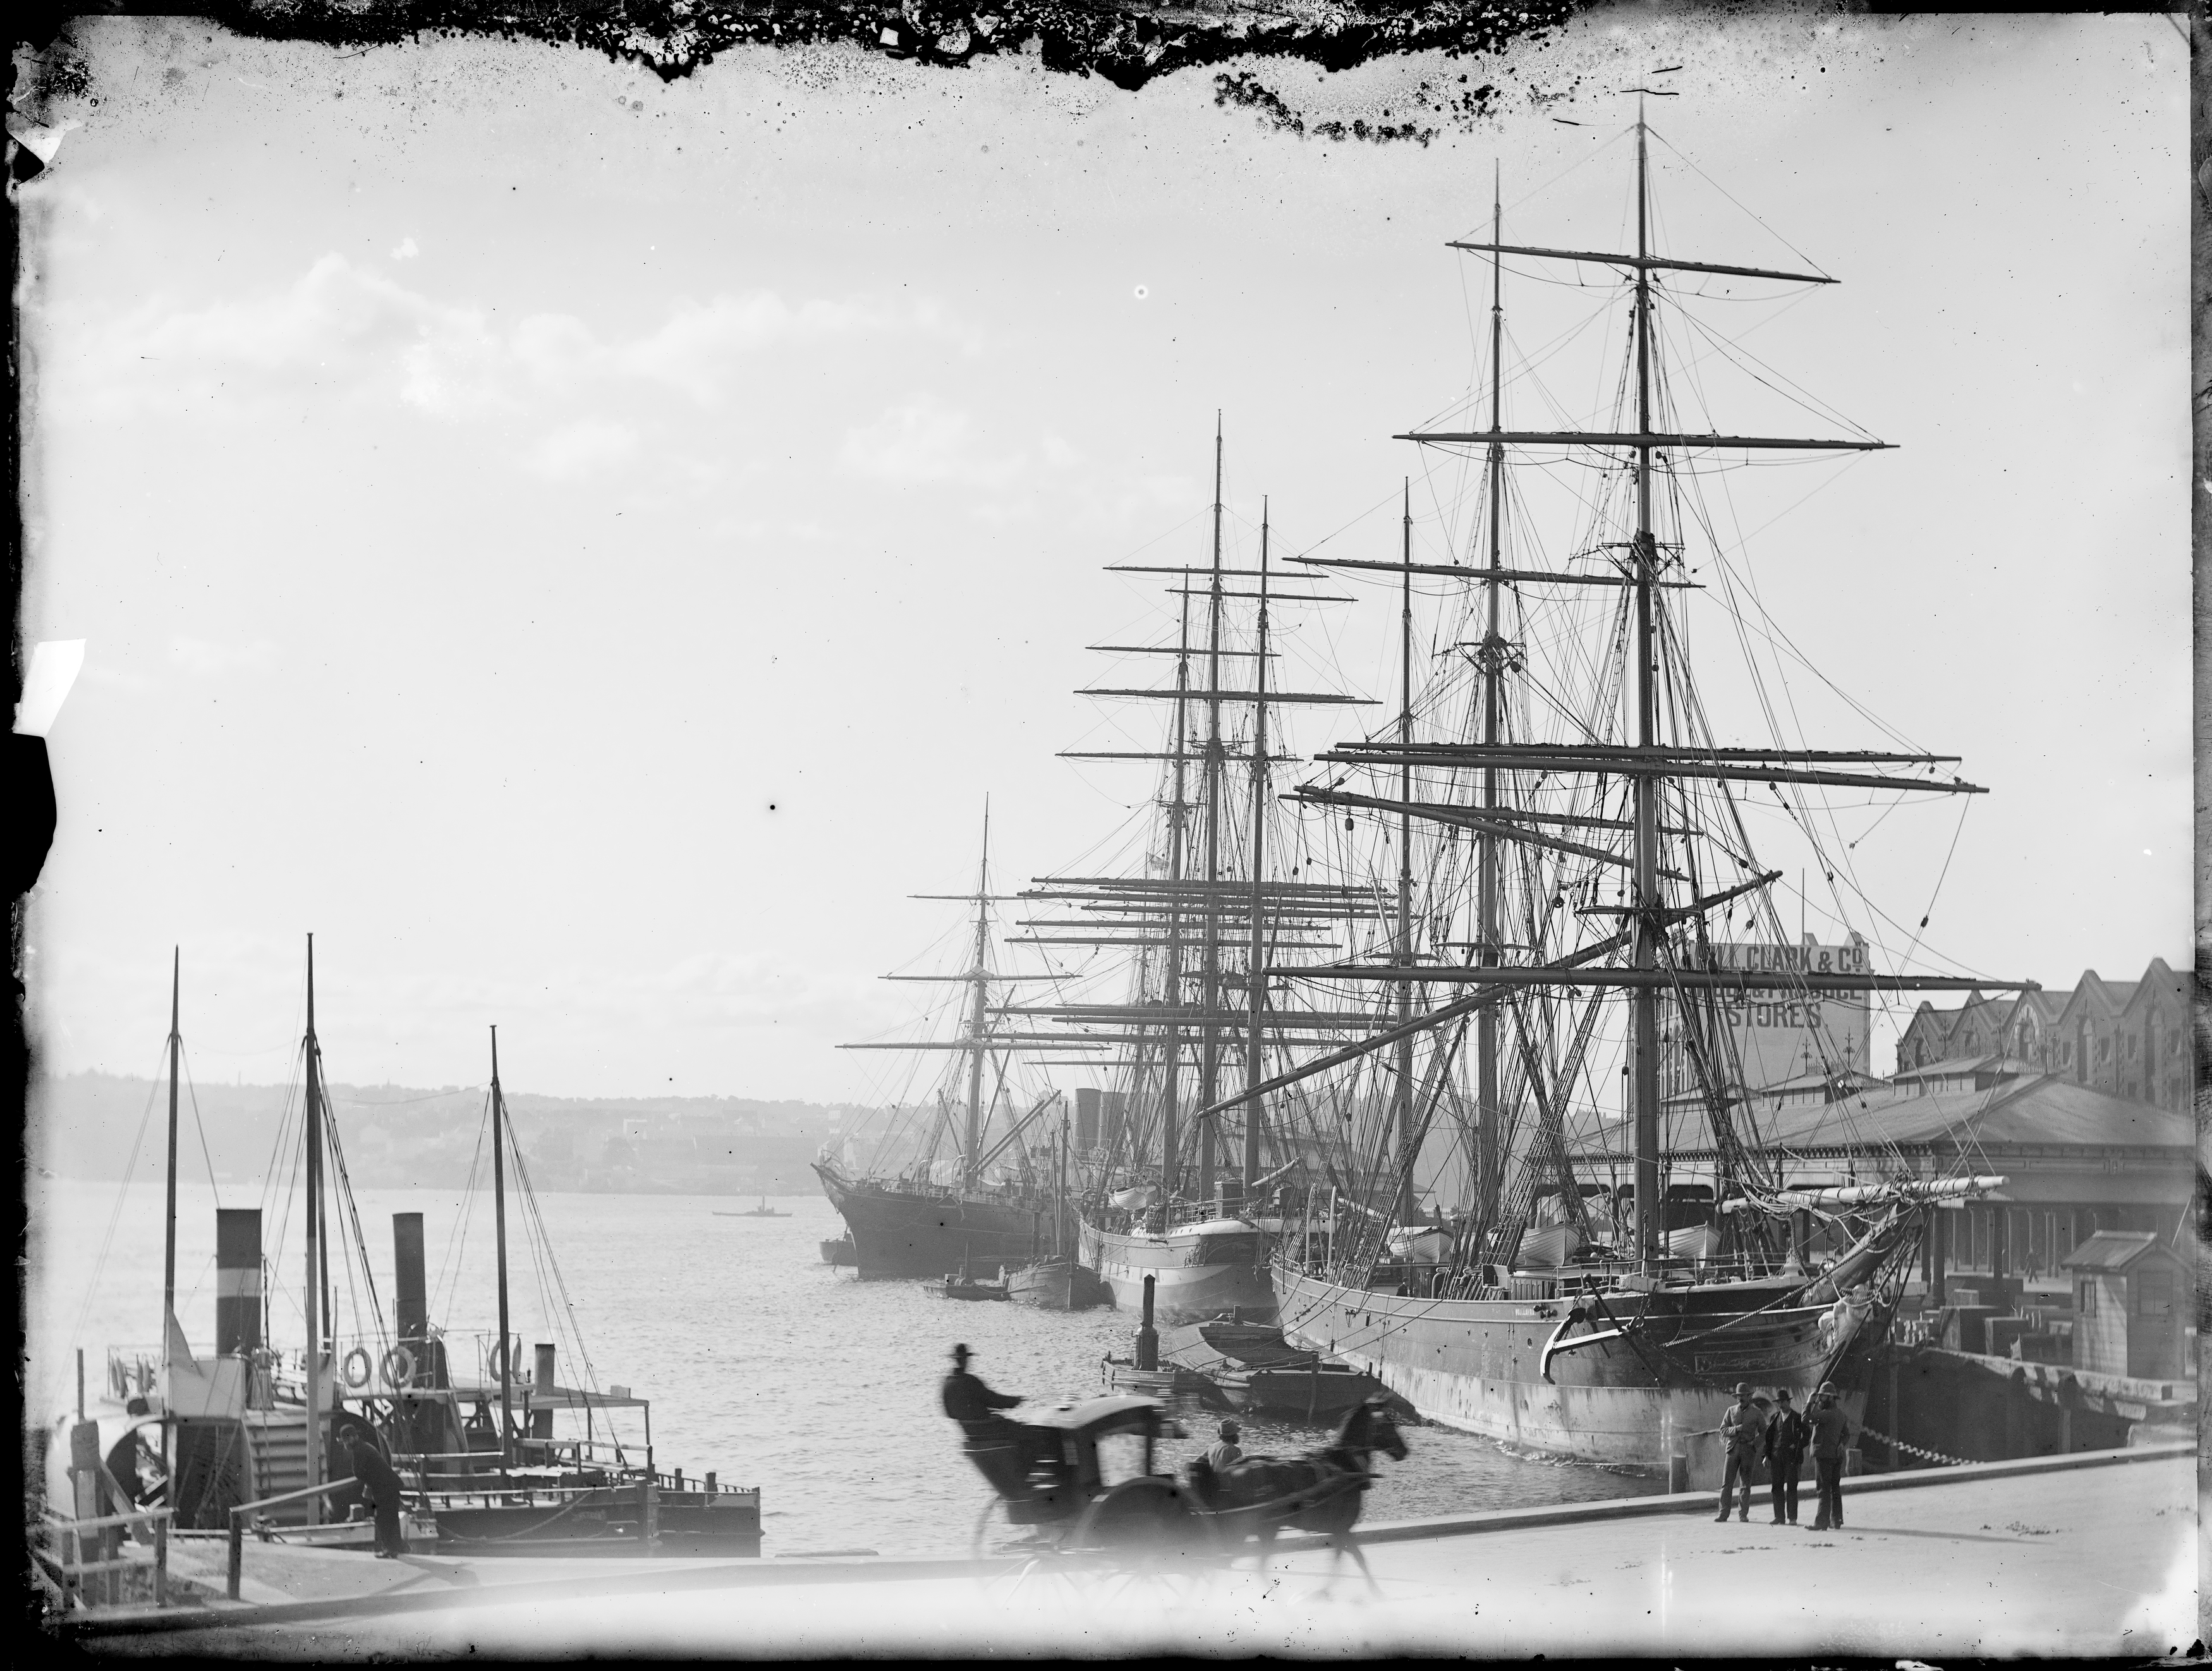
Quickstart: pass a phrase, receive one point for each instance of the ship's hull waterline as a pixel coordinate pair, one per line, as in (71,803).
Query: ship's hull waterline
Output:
(900,1233)
(1478,1365)
(1198,1274)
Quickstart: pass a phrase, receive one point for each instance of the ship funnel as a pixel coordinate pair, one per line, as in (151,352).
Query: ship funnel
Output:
(237,1280)
(1148,1339)
(411,1307)
(541,1386)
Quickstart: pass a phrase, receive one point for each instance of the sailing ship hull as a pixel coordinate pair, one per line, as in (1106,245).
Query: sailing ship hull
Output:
(1198,1272)
(900,1232)
(1058,1285)
(1479,1364)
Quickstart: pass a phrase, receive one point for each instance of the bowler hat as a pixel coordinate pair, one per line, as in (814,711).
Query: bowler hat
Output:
(1782,1392)
(962,1354)
(1743,1389)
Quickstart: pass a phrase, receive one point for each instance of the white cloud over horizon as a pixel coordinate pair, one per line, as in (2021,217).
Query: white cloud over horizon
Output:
(343,327)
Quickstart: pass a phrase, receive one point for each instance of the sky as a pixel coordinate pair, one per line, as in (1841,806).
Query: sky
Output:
(585,547)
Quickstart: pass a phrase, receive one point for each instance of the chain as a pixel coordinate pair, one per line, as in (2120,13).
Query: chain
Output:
(1899,1444)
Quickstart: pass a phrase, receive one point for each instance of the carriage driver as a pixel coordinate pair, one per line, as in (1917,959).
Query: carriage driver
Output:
(974,1404)
(1226,1450)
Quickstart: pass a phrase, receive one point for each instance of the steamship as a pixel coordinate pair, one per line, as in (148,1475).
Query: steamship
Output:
(500,1457)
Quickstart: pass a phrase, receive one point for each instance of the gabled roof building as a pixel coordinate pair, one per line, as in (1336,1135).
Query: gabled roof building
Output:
(2129,1038)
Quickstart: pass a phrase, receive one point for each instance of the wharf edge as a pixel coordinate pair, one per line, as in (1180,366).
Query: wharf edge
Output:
(718,1575)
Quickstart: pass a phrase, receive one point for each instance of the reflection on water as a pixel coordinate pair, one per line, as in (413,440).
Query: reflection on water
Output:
(763,1364)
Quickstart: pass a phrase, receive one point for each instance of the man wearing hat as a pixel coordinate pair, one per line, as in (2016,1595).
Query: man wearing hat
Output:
(972,1404)
(1742,1429)
(1831,1436)
(1784,1447)
(380,1490)
(1226,1450)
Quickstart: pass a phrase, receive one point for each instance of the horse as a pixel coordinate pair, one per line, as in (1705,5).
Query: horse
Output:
(1320,1492)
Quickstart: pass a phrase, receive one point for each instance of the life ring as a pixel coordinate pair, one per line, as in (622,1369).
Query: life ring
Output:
(398,1367)
(495,1365)
(356,1367)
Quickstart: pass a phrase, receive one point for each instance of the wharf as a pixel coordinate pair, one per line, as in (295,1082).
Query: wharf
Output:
(2088,1554)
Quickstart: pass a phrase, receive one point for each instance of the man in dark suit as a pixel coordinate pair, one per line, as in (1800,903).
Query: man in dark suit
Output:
(974,1404)
(1785,1439)
(381,1489)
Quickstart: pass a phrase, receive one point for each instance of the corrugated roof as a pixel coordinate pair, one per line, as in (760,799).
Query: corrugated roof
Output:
(1961,1066)
(2111,1250)
(2041,1109)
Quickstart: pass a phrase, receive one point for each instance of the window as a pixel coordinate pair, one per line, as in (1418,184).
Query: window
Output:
(2154,1294)
(2085,1296)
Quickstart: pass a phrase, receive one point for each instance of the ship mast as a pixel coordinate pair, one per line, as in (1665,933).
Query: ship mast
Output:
(505,1354)
(1489,1163)
(1255,976)
(980,979)
(1210,1038)
(169,1231)
(1643,1003)
(1178,813)
(314,1321)
(170,1332)
(1404,953)
(1640,758)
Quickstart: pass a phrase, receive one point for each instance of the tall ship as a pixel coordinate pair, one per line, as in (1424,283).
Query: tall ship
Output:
(1560,835)
(910,1208)
(1193,1204)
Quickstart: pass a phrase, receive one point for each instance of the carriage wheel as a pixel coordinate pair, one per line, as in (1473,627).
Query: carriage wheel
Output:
(1146,1520)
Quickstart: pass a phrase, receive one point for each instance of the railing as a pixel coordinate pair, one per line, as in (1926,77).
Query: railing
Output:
(238,1514)
(531,1452)
(71,1568)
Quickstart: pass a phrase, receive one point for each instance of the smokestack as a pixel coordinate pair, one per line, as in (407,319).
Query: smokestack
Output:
(411,1307)
(1148,1339)
(1086,1118)
(237,1280)
(541,1421)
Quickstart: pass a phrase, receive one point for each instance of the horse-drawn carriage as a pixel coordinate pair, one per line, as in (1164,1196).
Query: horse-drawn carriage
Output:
(1052,1472)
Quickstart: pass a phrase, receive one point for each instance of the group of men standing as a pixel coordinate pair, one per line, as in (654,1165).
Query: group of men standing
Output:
(1751,1436)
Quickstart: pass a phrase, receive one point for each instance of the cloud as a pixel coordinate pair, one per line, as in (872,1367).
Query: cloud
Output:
(408,250)
(926,442)
(365,334)
(578,449)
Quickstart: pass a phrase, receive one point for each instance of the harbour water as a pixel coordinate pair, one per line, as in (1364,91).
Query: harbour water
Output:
(762,1363)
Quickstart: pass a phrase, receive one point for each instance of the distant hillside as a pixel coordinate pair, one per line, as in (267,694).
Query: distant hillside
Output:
(88,1125)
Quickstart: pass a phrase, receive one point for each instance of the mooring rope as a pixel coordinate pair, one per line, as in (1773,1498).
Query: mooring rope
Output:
(1914,1450)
